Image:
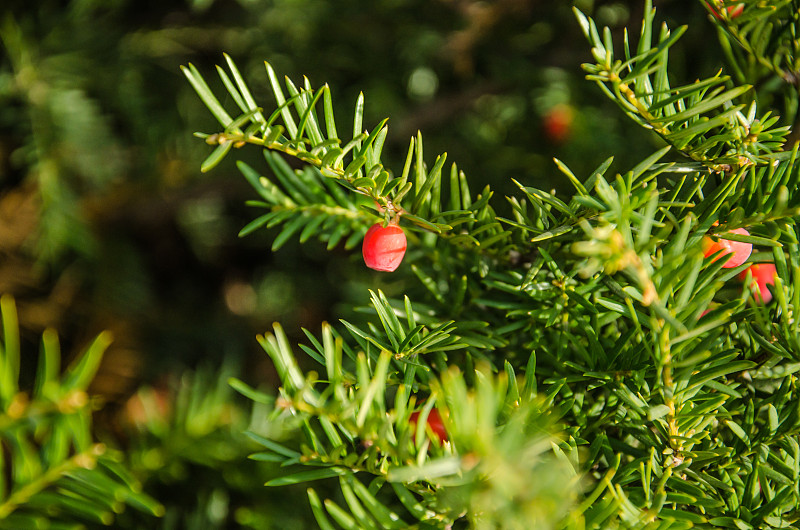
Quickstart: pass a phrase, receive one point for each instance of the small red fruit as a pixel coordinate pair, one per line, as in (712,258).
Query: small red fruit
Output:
(557,123)
(763,274)
(384,247)
(733,10)
(434,423)
(737,251)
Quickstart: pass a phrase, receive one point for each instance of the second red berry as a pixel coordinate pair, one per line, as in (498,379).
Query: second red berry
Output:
(763,274)
(737,251)
(435,423)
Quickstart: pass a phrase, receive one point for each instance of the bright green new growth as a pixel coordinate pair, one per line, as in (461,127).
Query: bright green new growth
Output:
(581,383)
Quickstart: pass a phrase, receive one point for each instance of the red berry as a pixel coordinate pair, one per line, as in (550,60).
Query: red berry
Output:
(384,247)
(557,123)
(763,274)
(733,10)
(737,251)
(434,423)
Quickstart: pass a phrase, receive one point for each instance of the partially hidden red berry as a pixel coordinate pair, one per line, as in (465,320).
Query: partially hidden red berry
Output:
(734,10)
(435,423)
(557,123)
(737,251)
(763,274)
(384,247)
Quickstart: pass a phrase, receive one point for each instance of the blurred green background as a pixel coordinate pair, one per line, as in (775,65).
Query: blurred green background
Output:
(107,223)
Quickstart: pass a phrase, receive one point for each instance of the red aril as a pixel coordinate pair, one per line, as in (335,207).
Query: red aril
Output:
(736,251)
(763,274)
(384,247)
(557,123)
(734,10)
(434,423)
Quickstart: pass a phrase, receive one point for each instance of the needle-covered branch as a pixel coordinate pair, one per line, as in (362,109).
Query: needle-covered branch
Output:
(593,336)
(52,471)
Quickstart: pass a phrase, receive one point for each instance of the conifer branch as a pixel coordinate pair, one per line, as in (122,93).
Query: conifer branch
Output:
(637,349)
(701,120)
(50,459)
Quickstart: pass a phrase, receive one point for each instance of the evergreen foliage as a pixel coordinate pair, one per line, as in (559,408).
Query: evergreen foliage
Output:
(191,431)
(592,368)
(53,474)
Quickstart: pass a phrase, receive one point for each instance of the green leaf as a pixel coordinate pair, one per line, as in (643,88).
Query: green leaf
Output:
(9,355)
(409,501)
(385,517)
(272,446)
(216,156)
(232,90)
(288,230)
(437,468)
(288,119)
(340,516)
(358,120)
(375,390)
(249,392)
(433,177)
(709,374)
(208,97)
(81,372)
(658,411)
(738,431)
(246,95)
(330,122)
(49,366)
(307,476)
(256,223)
(705,105)
(356,508)
(319,512)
